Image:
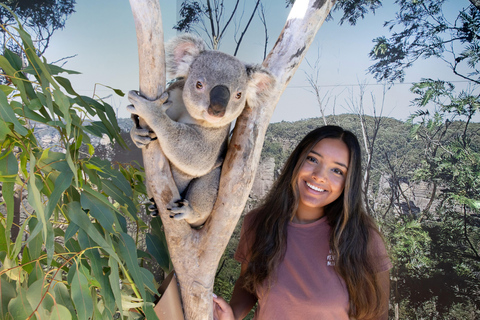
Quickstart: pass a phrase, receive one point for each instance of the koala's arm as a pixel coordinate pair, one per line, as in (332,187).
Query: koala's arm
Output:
(191,148)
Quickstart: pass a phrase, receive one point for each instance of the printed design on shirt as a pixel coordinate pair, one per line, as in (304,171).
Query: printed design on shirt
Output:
(331,259)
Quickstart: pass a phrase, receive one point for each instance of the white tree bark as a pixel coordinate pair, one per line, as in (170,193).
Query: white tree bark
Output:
(195,253)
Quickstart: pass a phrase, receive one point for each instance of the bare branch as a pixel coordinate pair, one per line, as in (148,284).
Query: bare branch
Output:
(246,28)
(263,19)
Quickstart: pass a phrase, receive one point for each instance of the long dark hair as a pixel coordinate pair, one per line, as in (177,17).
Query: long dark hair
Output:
(350,223)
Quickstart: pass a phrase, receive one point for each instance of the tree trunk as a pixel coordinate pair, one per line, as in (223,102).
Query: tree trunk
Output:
(195,253)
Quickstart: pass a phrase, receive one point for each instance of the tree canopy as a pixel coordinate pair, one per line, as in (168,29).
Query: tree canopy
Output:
(41,18)
(424,29)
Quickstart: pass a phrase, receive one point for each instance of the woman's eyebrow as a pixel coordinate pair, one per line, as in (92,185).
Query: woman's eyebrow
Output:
(338,163)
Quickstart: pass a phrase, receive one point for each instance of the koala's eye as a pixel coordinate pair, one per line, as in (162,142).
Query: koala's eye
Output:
(238,95)
(199,85)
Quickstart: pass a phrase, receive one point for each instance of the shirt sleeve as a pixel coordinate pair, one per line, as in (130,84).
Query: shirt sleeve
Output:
(378,253)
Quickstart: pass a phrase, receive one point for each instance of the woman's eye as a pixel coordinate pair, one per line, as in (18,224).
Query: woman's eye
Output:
(199,85)
(238,95)
(338,171)
(311,159)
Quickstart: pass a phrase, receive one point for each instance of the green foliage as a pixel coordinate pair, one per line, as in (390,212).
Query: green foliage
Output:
(421,30)
(40,17)
(73,257)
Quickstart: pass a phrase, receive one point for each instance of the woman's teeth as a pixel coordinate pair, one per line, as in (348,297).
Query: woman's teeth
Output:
(315,188)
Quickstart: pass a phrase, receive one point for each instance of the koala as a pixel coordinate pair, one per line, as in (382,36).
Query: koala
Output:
(192,118)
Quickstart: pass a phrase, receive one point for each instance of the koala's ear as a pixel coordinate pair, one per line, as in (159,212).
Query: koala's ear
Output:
(261,85)
(180,52)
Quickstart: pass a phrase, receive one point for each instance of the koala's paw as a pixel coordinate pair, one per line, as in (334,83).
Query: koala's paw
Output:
(153,208)
(143,107)
(141,137)
(181,210)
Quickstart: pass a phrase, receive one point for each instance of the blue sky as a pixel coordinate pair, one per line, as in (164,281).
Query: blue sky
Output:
(102,36)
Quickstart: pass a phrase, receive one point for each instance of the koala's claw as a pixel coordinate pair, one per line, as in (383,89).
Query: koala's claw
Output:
(153,208)
(141,137)
(181,210)
(144,107)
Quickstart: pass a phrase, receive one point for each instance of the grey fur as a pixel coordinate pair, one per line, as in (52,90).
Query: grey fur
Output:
(192,118)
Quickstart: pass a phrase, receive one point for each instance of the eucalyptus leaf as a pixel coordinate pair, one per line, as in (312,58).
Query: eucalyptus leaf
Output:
(81,295)
(19,307)
(159,251)
(8,115)
(98,209)
(7,293)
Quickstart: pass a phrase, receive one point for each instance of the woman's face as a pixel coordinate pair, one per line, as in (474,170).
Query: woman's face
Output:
(321,178)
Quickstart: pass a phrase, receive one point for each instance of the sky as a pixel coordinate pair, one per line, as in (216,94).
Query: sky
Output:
(101,42)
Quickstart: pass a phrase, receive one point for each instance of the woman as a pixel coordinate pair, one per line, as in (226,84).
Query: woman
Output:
(310,251)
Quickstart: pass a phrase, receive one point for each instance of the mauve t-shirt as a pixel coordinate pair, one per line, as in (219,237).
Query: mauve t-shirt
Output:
(306,285)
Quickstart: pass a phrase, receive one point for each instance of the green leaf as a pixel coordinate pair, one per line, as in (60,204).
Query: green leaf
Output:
(122,183)
(37,297)
(62,297)
(62,182)
(63,103)
(27,112)
(53,70)
(81,295)
(50,160)
(4,239)
(100,197)
(34,241)
(67,85)
(91,149)
(35,104)
(15,76)
(149,311)
(158,250)
(7,293)
(5,129)
(117,91)
(6,89)
(8,166)
(79,217)
(98,209)
(36,274)
(19,307)
(8,196)
(8,115)
(110,188)
(97,269)
(115,284)
(149,280)
(14,59)
(60,312)
(71,230)
(19,241)
(128,251)
(35,200)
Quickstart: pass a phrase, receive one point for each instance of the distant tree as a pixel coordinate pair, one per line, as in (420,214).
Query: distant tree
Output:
(212,19)
(40,18)
(421,30)
(426,29)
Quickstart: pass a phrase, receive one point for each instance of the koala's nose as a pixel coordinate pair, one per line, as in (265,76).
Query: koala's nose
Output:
(219,98)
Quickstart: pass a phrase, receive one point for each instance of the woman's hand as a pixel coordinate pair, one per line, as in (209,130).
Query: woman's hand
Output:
(221,309)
